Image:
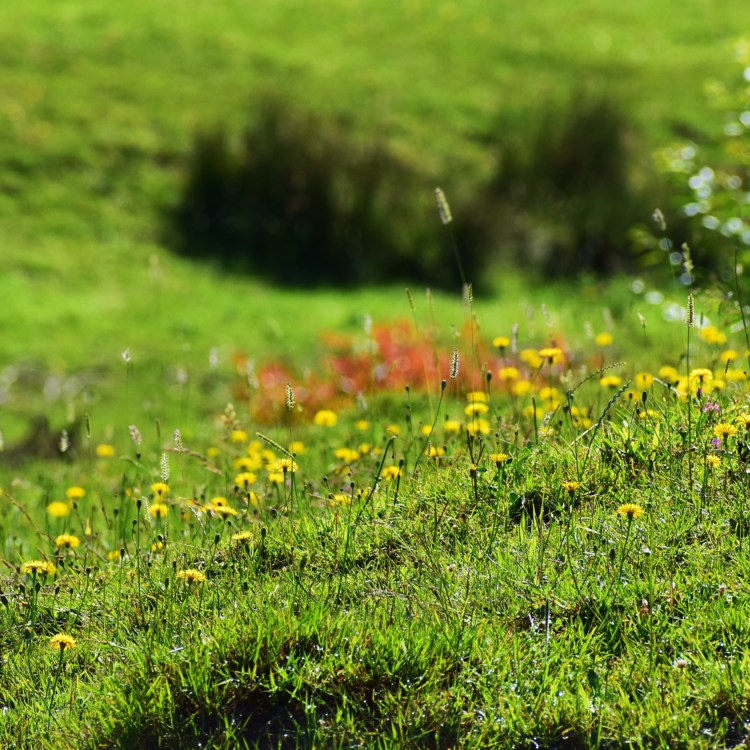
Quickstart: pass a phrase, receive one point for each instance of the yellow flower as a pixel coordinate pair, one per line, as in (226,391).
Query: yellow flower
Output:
(521,388)
(478,426)
(477,408)
(393,429)
(364,448)
(530,412)
(339,498)
(531,357)
(61,642)
(725,430)
(347,455)
(38,567)
(743,420)
(631,510)
(508,373)
(713,461)
(285,466)
(297,447)
(452,425)
(552,354)
(245,479)
(603,339)
(702,375)
(218,502)
(158,546)
(610,381)
(325,418)
(238,436)
(224,510)
(734,374)
(391,472)
(712,335)
(158,510)
(548,393)
(362,424)
(643,380)
(241,537)
(435,452)
(730,355)
(474,396)
(58,509)
(160,489)
(67,540)
(212,451)
(668,373)
(501,342)
(499,458)
(191,575)
(75,493)
(571,486)
(276,477)
(104,450)
(247,463)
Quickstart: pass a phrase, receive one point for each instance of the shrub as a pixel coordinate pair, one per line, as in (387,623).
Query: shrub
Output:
(300,202)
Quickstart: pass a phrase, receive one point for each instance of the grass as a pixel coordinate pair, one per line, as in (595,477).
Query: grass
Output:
(478,564)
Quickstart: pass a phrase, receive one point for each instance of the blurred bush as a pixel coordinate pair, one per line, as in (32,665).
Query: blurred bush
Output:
(299,201)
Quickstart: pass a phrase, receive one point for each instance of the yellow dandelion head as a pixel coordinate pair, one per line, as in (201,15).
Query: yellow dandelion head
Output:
(610,381)
(58,509)
(501,342)
(630,510)
(285,465)
(712,335)
(478,426)
(67,541)
(362,425)
(452,425)
(508,373)
(297,447)
(552,354)
(499,458)
(325,418)
(713,461)
(245,479)
(521,388)
(477,408)
(62,642)
(571,486)
(241,538)
(276,477)
(347,455)
(238,436)
(38,568)
(75,492)
(391,472)
(105,450)
(531,357)
(191,575)
(725,430)
(393,429)
(669,374)
(160,489)
(701,375)
(603,339)
(643,380)
(477,396)
(158,510)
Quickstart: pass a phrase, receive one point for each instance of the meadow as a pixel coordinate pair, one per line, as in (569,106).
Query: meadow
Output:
(238,515)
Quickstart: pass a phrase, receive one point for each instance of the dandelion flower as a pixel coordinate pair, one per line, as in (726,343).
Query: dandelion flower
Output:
(571,486)
(241,537)
(499,458)
(62,641)
(702,375)
(521,388)
(729,355)
(478,427)
(713,462)
(38,567)
(712,335)
(160,489)
(610,381)
(643,380)
(297,447)
(743,420)
(238,436)
(452,425)
(105,450)
(191,575)
(247,463)
(552,354)
(531,357)
(391,472)
(340,499)
(347,455)
(325,418)
(548,393)
(58,509)
(224,510)
(476,408)
(435,452)
(75,493)
(668,373)
(508,373)
(631,510)
(393,429)
(245,479)
(474,396)
(725,430)
(158,510)
(604,339)
(501,342)
(285,465)
(362,424)
(67,540)
(276,477)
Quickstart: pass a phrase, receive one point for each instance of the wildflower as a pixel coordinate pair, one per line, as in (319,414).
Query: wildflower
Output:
(61,641)
(297,447)
(643,380)
(158,547)
(391,472)
(276,477)
(67,540)
(508,373)
(190,575)
(477,408)
(362,424)
(610,381)
(603,339)
(224,510)
(474,396)
(238,436)
(730,355)
(325,418)
(499,458)
(521,388)
(531,412)
(339,498)
(571,486)
(452,425)
(158,510)
(247,463)
(478,426)
(241,537)
(548,393)
(713,461)
(702,375)
(501,342)
(347,455)
(75,493)
(160,489)
(285,466)
(393,429)
(104,450)
(712,335)
(58,509)
(245,479)
(531,357)
(218,502)
(668,373)
(631,510)
(435,452)
(364,448)
(734,374)
(38,568)
(725,430)
(743,420)
(552,354)
(114,555)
